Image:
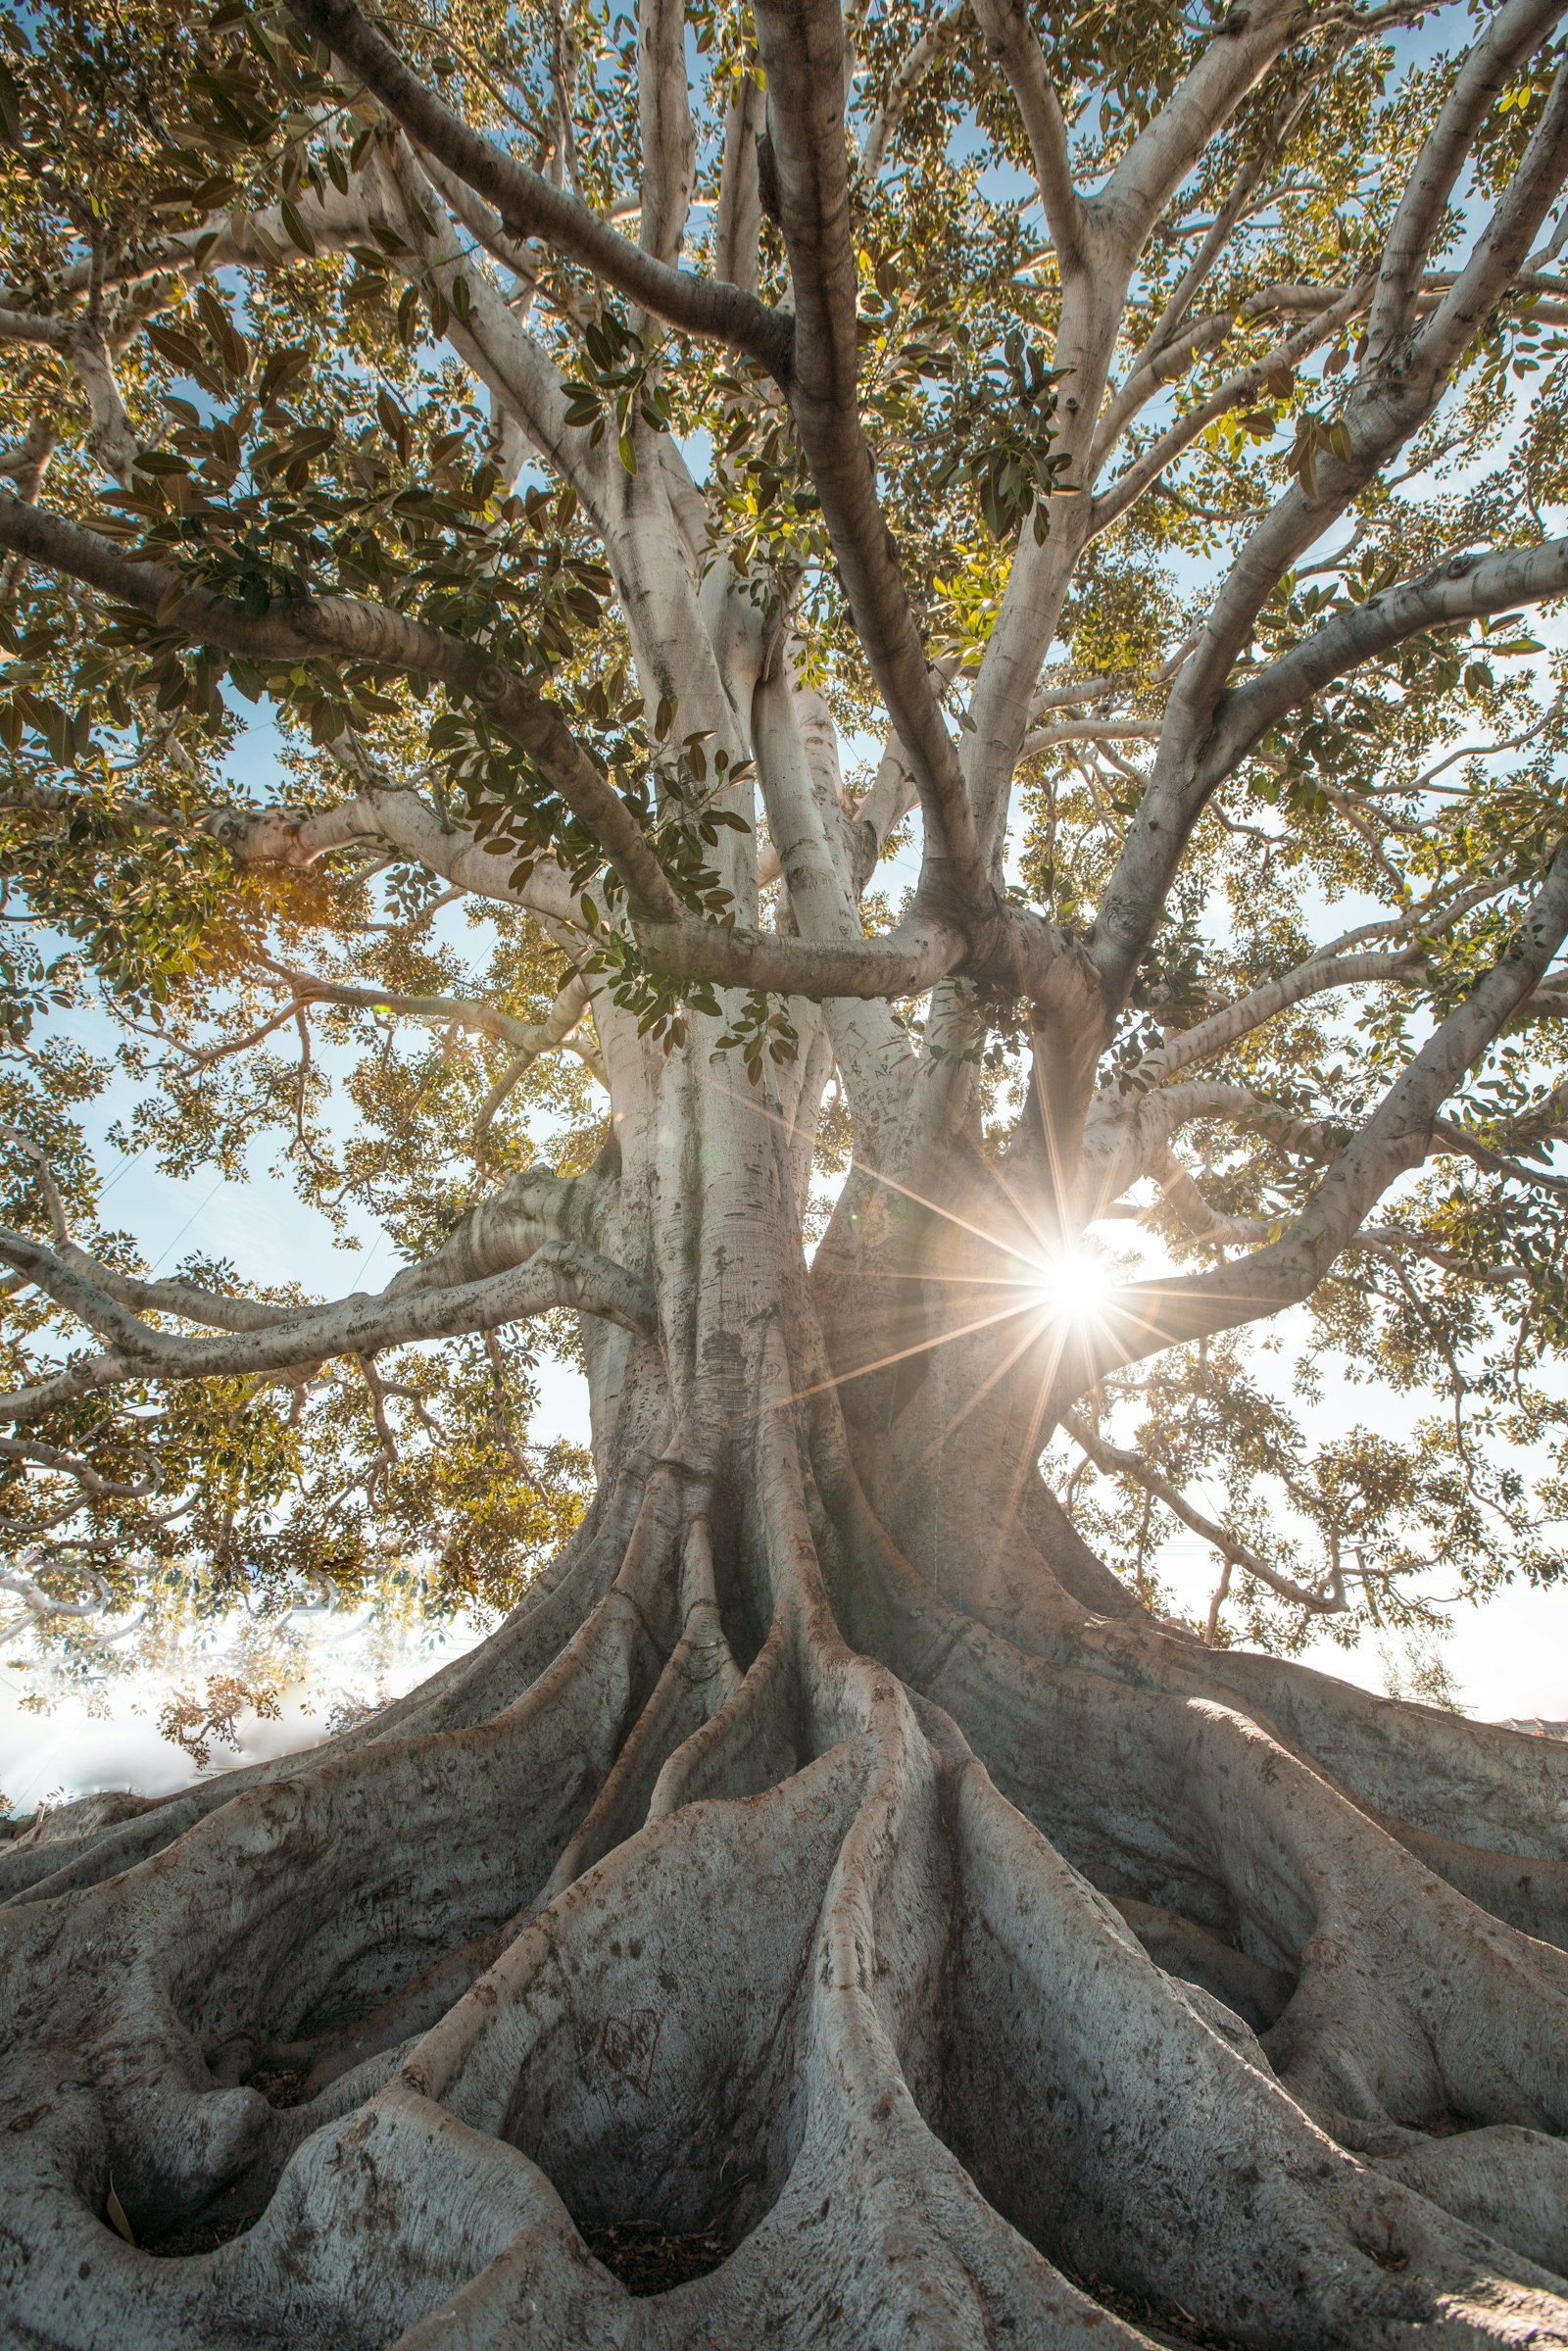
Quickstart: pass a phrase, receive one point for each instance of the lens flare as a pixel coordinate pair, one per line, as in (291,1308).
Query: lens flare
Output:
(1074,1287)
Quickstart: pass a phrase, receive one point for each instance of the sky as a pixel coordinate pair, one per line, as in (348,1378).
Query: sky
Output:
(1509,1657)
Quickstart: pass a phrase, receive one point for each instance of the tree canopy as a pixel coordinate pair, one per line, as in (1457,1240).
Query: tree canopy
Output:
(1168,574)
(861,713)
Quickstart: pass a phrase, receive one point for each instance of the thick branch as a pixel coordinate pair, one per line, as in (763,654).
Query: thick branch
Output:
(1499,251)
(1324,1600)
(738,224)
(1384,410)
(1464,589)
(665,118)
(1150,1317)
(26,326)
(1250,1012)
(803,51)
(1181,1190)
(1026,953)
(811,836)
(1467,588)
(698,305)
(1131,1143)
(188,1300)
(560,1274)
(1487,71)
(1165,150)
(1010,39)
(357,631)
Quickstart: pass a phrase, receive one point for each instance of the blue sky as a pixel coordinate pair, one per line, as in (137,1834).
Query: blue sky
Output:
(1509,1657)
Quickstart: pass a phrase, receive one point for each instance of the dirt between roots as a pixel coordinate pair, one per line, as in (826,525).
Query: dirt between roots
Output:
(204,2236)
(649,2259)
(280,2086)
(646,2258)
(1163,2322)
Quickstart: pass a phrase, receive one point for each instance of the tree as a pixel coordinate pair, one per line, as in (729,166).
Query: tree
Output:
(652,471)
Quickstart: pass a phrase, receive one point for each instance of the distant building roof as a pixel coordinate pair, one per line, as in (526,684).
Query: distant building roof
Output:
(1536,1724)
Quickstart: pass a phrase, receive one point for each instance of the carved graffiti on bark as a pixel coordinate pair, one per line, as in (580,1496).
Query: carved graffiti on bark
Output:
(628,2045)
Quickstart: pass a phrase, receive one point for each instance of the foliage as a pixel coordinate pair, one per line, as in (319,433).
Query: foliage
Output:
(292,319)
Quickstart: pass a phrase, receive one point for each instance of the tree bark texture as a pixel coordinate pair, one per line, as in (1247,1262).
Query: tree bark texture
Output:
(829,1868)
(828,1879)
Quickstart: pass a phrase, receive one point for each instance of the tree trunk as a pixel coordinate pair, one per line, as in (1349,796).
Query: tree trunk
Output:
(827,1912)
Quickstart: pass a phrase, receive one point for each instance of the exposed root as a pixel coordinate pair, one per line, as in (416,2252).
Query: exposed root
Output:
(1117,2124)
(84,1844)
(1505,2181)
(1252,1990)
(795,1958)
(978,1528)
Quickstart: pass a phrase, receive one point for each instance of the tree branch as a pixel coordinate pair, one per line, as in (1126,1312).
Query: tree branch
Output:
(1486,73)
(810,832)
(1238,56)
(34,1454)
(738,222)
(803,52)
(562,1025)
(699,305)
(913,71)
(1010,40)
(1147,1317)
(665,121)
(25,326)
(560,1274)
(1189,770)
(1234,1021)
(1383,412)
(1146,468)
(1467,588)
(1032,955)
(1326,1599)
(1500,249)
(528,1037)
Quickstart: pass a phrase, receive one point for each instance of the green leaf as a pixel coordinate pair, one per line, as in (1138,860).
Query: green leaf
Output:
(393,423)
(186,355)
(10,117)
(280,372)
(294,222)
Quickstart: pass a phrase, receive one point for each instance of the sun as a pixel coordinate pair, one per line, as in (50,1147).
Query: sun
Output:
(1074,1286)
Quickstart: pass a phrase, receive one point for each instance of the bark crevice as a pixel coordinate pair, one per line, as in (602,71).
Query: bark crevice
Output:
(749,1895)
